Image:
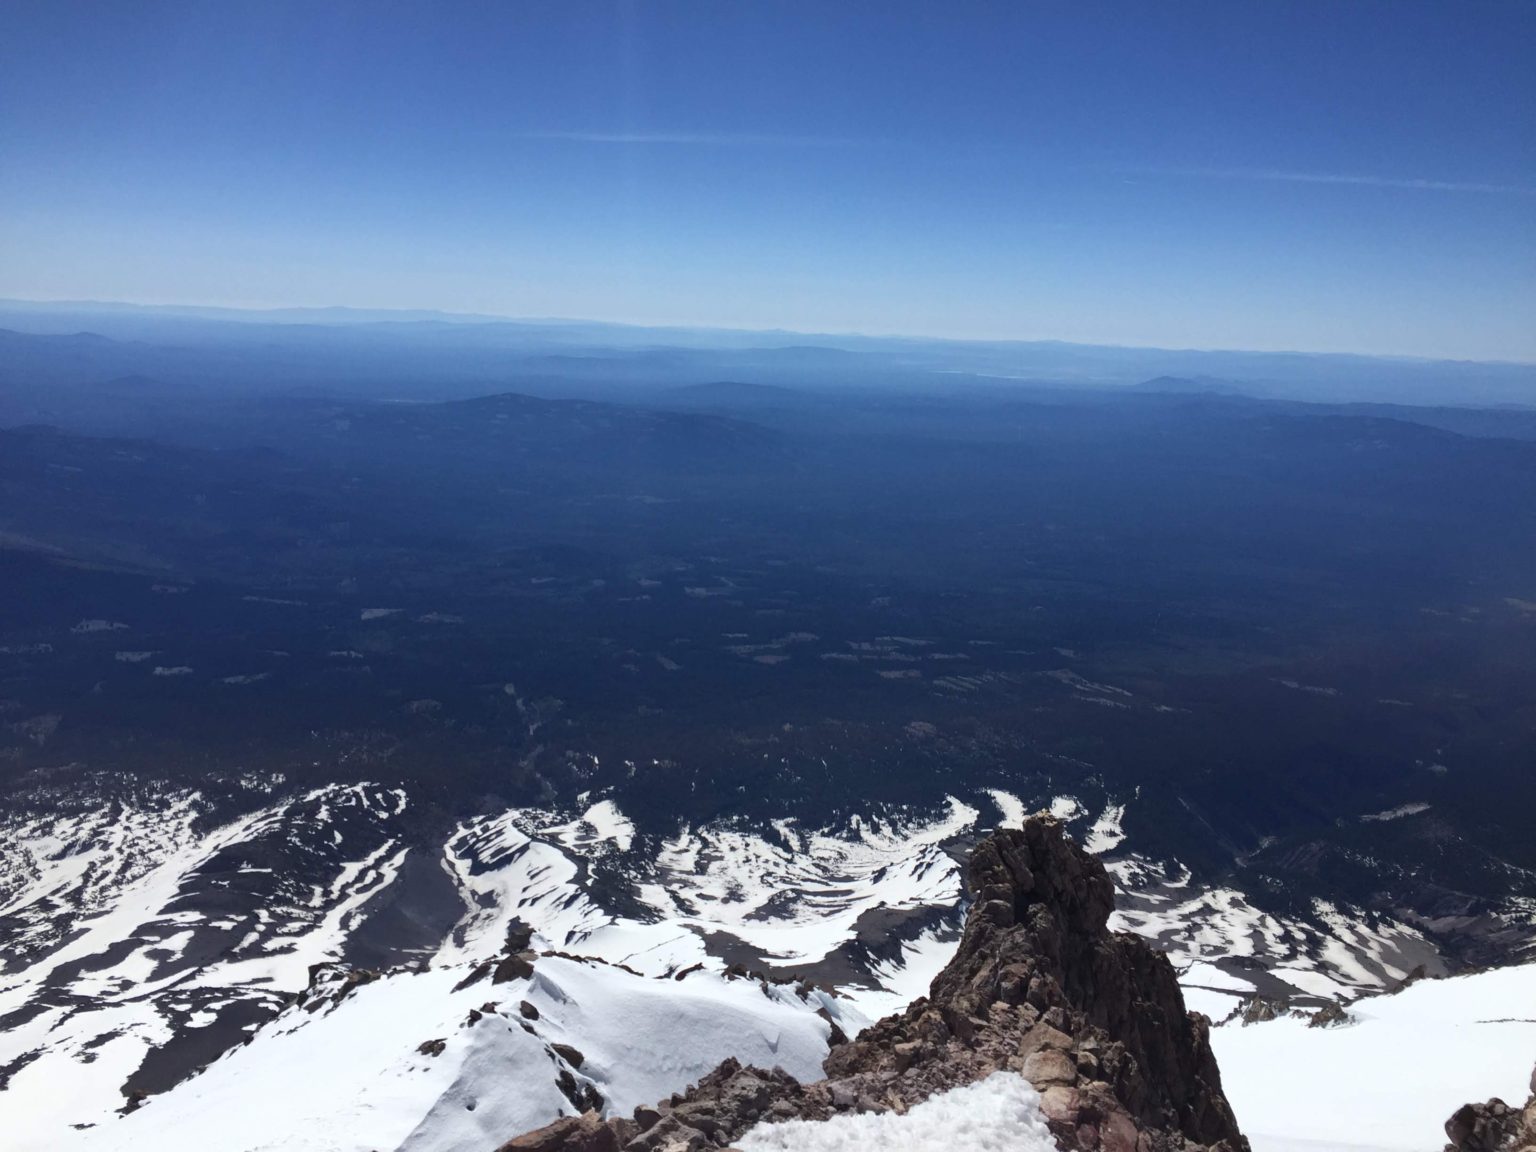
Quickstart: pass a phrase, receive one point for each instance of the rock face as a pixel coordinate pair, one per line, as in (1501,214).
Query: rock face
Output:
(1494,1126)
(1094,1020)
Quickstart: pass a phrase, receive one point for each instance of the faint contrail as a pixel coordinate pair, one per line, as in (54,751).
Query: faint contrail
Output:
(1286,177)
(695,139)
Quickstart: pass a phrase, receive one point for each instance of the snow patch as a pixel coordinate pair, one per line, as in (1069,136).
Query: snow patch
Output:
(1106,834)
(998,1114)
(1066,808)
(1411,809)
(1010,806)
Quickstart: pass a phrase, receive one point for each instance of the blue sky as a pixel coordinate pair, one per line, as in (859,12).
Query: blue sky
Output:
(1324,176)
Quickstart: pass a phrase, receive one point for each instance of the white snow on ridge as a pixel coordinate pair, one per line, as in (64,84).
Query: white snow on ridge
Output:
(131,1004)
(643,1038)
(508,875)
(1391,1078)
(998,1114)
(352,1076)
(1010,806)
(1203,975)
(119,868)
(84,854)
(601,822)
(1106,834)
(1066,808)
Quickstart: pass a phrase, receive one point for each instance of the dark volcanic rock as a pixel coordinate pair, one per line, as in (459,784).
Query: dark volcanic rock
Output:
(571,1056)
(1094,1020)
(585,1133)
(1329,1016)
(518,967)
(1493,1126)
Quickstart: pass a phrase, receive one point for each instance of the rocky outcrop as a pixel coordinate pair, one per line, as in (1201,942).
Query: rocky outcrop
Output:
(720,1107)
(1094,1020)
(1494,1126)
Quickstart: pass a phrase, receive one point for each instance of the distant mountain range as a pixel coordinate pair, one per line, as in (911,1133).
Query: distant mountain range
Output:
(436,353)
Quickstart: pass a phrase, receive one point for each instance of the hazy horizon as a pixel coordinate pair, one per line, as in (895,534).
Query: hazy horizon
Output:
(425,314)
(1268,177)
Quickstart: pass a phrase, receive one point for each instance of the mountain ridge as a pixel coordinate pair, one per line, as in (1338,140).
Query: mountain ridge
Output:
(1039,987)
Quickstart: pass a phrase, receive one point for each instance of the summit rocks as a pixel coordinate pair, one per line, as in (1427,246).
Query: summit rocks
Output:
(1094,1020)
(1494,1126)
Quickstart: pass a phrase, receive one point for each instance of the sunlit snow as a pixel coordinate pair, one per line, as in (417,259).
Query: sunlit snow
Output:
(1392,1076)
(998,1114)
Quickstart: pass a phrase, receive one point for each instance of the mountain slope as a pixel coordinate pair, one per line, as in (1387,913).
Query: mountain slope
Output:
(1037,987)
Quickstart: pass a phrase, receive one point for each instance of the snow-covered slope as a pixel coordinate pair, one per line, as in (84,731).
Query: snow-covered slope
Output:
(1388,1077)
(416,1061)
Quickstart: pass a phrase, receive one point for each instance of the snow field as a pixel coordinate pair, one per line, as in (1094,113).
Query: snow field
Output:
(1391,1078)
(350,1077)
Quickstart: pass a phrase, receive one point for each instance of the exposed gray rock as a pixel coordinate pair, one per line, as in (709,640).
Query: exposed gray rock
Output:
(1329,1016)
(1258,1010)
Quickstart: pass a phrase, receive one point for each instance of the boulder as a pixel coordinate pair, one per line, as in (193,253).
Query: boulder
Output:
(1493,1126)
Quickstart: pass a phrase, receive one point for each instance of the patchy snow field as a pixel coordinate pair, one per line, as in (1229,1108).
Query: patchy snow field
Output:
(139,931)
